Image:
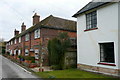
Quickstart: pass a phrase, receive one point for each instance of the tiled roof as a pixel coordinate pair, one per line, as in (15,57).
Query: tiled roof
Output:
(89,6)
(53,23)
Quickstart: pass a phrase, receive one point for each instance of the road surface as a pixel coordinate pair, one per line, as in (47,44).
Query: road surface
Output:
(12,70)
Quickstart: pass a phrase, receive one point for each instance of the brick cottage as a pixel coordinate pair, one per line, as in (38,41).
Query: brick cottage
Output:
(33,40)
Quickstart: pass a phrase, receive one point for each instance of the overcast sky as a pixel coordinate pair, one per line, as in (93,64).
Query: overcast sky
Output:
(14,12)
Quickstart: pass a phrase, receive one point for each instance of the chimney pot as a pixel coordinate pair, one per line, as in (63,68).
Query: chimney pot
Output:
(36,19)
(23,27)
(16,32)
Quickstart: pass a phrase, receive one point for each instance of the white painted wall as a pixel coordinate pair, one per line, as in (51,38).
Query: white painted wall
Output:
(119,35)
(88,47)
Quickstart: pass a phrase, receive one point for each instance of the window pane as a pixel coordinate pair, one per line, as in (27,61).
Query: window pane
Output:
(91,20)
(107,52)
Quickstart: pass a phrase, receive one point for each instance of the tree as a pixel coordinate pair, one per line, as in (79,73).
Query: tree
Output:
(57,48)
(65,44)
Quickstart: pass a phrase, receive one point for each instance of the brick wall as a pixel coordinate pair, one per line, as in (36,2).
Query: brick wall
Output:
(45,35)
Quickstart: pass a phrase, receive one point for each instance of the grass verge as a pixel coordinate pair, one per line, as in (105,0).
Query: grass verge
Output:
(70,73)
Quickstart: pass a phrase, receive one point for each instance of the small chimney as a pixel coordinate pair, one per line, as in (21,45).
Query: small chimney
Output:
(16,32)
(23,27)
(36,19)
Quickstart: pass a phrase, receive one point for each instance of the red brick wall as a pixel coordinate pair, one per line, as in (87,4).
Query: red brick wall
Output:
(45,35)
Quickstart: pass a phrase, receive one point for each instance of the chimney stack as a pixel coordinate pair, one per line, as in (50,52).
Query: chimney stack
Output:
(36,19)
(23,27)
(16,32)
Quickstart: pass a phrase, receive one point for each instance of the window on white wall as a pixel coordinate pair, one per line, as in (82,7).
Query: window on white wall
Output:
(107,52)
(91,20)
(26,52)
(37,33)
(27,37)
(19,39)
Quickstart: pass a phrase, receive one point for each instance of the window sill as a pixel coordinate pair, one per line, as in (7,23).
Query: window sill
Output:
(27,41)
(36,38)
(110,64)
(90,29)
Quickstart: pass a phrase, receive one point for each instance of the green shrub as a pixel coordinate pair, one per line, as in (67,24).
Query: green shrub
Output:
(28,58)
(32,59)
(21,57)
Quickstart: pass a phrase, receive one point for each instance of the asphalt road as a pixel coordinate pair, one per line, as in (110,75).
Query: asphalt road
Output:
(11,70)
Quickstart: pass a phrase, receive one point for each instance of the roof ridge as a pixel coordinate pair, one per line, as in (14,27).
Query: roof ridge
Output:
(63,19)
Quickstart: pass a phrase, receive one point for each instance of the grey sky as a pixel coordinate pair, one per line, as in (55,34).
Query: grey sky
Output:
(14,12)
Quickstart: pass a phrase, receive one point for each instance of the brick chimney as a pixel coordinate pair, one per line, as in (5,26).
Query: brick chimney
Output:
(16,32)
(36,19)
(23,27)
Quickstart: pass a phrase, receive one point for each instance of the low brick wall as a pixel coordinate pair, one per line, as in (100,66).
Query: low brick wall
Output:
(99,69)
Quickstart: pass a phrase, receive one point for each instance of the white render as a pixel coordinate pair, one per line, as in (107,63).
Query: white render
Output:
(88,50)
(119,35)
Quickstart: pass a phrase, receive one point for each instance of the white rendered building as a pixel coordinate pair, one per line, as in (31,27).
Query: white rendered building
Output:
(97,37)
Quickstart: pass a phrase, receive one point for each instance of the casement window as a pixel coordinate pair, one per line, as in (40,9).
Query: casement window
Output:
(91,20)
(36,50)
(14,52)
(37,33)
(10,52)
(27,37)
(19,52)
(11,42)
(26,52)
(15,41)
(107,52)
(19,39)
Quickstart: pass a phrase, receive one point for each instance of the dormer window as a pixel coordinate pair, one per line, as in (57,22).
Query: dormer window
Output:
(27,37)
(91,20)
(37,33)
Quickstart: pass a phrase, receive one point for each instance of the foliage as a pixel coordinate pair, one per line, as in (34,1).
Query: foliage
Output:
(57,48)
(28,58)
(20,56)
(54,51)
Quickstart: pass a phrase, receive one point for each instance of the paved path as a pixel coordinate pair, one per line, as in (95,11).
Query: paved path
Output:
(12,70)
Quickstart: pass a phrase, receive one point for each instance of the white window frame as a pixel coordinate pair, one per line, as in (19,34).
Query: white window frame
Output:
(10,52)
(19,52)
(11,42)
(14,52)
(37,33)
(19,39)
(36,51)
(15,41)
(26,52)
(27,37)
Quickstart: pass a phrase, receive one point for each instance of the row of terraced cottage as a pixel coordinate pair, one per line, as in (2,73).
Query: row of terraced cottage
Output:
(97,36)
